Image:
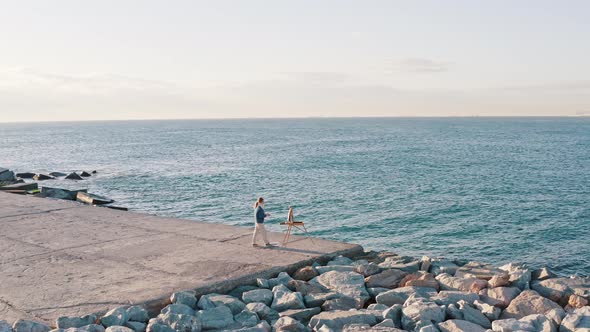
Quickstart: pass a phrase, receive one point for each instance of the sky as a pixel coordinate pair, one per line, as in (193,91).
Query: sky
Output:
(113,59)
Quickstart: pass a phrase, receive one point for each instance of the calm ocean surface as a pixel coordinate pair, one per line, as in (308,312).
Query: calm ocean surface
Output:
(488,189)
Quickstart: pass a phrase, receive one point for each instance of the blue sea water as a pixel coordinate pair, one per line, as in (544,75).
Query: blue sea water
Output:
(489,189)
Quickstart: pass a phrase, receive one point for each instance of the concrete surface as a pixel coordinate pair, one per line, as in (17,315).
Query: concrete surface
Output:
(63,258)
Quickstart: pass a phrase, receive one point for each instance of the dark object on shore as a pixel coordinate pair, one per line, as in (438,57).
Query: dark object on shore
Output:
(20,186)
(57,174)
(85,174)
(26,175)
(92,199)
(74,176)
(60,193)
(18,192)
(6,175)
(94,172)
(41,177)
(115,207)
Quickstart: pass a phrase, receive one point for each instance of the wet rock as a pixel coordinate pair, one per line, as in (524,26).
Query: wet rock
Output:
(302,315)
(406,264)
(339,268)
(57,174)
(449,297)
(473,315)
(137,314)
(115,317)
(337,319)
(5,327)
(499,296)
(340,260)
(420,279)
(216,318)
(560,289)
(84,174)
(89,328)
(530,303)
(395,314)
(542,274)
(386,279)
(263,311)
(520,276)
(7,175)
(117,328)
(425,312)
(240,290)
(288,324)
(262,283)
(448,282)
(400,295)
(368,269)
(491,312)
(181,322)
(215,300)
(305,273)
(60,193)
(155,325)
(22,325)
(577,320)
(285,299)
(177,309)
(20,186)
(282,279)
(340,303)
(136,326)
(26,175)
(187,298)
(317,299)
(247,318)
(75,176)
(456,325)
(258,295)
(349,284)
(42,177)
(66,322)
(442,265)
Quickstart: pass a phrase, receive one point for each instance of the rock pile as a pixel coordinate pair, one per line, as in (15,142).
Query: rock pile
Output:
(378,292)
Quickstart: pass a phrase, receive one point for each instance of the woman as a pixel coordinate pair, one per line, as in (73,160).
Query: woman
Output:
(259,216)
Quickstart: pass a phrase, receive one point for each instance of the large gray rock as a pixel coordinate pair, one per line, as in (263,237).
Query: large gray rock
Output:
(395,314)
(6,175)
(520,275)
(22,325)
(289,324)
(499,296)
(181,322)
(350,284)
(479,271)
(560,289)
(368,328)
(216,318)
(258,295)
(260,327)
(442,265)
(89,328)
(401,263)
(118,329)
(386,279)
(282,279)
(304,287)
(340,303)
(449,297)
(263,311)
(491,312)
(136,326)
(420,279)
(448,282)
(65,322)
(577,320)
(5,327)
(531,323)
(400,295)
(456,325)
(337,319)
(187,298)
(240,290)
(317,299)
(542,274)
(339,268)
(368,269)
(473,315)
(421,312)
(284,299)
(247,318)
(340,260)
(530,303)
(41,177)
(178,309)
(60,193)
(115,317)
(210,301)
(155,325)
(302,315)
(305,273)
(137,314)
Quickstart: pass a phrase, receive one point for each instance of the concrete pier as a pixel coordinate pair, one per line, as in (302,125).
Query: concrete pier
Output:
(64,258)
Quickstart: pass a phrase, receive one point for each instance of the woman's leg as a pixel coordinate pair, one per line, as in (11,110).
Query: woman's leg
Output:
(255,233)
(263,231)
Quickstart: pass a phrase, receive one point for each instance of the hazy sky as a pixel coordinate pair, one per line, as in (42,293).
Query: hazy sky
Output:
(122,59)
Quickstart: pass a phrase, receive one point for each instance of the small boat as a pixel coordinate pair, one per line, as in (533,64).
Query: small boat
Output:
(92,199)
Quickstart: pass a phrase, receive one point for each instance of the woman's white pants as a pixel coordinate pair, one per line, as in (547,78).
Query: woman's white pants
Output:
(259,229)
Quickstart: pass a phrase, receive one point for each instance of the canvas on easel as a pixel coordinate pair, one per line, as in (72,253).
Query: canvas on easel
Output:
(291,223)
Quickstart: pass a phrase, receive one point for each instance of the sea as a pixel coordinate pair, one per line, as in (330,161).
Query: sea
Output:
(493,190)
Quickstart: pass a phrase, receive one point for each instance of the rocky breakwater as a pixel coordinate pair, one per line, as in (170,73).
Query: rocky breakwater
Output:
(374,292)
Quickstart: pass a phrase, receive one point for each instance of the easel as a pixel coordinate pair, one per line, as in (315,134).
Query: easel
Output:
(290,223)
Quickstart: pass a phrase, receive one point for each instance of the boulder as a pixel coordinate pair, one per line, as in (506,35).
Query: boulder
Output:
(386,279)
(520,275)
(187,298)
(42,177)
(65,322)
(339,268)
(302,315)
(57,174)
(118,329)
(75,176)
(530,303)
(340,260)
(395,314)
(263,311)
(177,309)
(340,303)
(368,269)
(260,327)
(84,174)
(420,279)
(448,282)
(89,328)
(284,299)
(576,301)
(456,325)
(181,322)
(282,279)
(377,306)
(499,296)
(60,193)
(288,324)
(115,317)
(304,287)
(473,315)
(7,175)
(214,300)
(22,325)
(450,297)
(137,314)
(317,299)
(350,284)
(560,289)
(247,318)
(26,175)
(403,264)
(400,295)
(374,291)
(240,290)
(542,274)
(305,273)
(442,265)
(337,319)
(577,320)
(499,280)
(20,186)
(5,327)
(258,295)
(136,326)
(479,271)
(262,283)
(367,328)
(491,312)
(421,312)
(531,323)
(216,318)
(155,325)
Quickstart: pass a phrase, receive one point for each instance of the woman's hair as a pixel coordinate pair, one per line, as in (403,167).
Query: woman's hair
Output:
(260,200)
